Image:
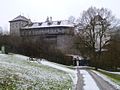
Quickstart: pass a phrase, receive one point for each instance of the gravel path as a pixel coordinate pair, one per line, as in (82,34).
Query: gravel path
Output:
(102,84)
(80,81)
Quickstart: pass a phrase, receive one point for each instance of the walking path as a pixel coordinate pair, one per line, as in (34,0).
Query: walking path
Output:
(80,81)
(102,84)
(88,80)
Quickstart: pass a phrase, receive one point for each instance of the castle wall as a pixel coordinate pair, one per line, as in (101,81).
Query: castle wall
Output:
(15,27)
(65,43)
(58,33)
(60,38)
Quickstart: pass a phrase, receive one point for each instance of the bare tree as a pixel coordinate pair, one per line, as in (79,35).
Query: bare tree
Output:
(94,26)
(71,19)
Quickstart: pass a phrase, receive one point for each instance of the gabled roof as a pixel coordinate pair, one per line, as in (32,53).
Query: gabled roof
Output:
(18,18)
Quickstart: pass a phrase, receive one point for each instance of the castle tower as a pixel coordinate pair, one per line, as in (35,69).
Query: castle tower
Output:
(17,23)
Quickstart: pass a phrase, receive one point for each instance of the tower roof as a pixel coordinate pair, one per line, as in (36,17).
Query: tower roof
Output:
(19,18)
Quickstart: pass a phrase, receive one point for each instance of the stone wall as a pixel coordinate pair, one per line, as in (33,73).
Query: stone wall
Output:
(65,43)
(15,27)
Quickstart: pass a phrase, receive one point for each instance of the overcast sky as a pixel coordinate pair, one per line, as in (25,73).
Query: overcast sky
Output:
(38,10)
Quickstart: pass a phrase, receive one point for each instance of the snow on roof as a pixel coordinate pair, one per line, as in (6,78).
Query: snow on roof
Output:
(62,23)
(20,18)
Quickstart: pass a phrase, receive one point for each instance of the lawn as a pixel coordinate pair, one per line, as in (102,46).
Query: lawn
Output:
(18,73)
(113,77)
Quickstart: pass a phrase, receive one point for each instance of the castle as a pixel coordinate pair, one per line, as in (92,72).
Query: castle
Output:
(58,33)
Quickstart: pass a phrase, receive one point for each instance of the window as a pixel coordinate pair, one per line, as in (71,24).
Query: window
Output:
(12,25)
(49,23)
(31,32)
(24,33)
(16,24)
(35,32)
(40,24)
(59,22)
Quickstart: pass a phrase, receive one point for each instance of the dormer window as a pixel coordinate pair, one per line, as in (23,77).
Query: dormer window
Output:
(39,24)
(29,24)
(49,23)
(59,22)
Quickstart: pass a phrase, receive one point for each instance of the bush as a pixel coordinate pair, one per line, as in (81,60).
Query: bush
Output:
(37,48)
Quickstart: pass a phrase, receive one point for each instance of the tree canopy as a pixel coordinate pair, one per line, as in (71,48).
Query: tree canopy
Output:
(94,27)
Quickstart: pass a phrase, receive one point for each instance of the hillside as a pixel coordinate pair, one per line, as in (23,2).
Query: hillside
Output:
(18,73)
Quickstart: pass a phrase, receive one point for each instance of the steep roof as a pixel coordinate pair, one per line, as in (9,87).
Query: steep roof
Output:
(19,18)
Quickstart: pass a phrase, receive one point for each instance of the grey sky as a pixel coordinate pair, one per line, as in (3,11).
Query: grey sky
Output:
(38,10)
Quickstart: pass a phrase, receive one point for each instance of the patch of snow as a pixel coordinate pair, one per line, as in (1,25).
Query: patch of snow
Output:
(21,56)
(89,82)
(72,73)
(20,18)
(63,23)
(108,80)
(110,71)
(115,72)
(57,66)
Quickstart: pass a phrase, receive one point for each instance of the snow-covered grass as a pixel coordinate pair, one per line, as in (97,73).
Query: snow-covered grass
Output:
(18,73)
(115,76)
(88,81)
(72,73)
(115,72)
(110,80)
(110,71)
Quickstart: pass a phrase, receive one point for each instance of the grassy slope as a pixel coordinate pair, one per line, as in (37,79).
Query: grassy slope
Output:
(17,73)
(114,77)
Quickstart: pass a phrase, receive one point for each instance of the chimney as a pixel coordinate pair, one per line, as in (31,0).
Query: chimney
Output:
(47,20)
(29,21)
(50,19)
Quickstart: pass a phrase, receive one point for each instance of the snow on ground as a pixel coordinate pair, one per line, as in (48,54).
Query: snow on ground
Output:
(20,73)
(110,71)
(72,73)
(115,72)
(89,82)
(107,79)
